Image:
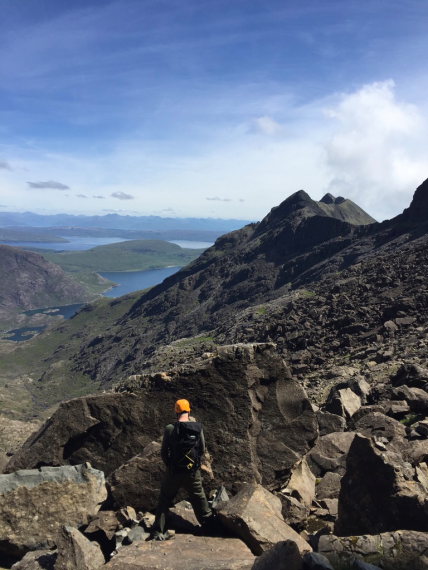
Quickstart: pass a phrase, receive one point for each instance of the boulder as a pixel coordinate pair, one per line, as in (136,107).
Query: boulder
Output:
(383,428)
(102,529)
(343,402)
(397,550)
(417,398)
(379,493)
(329,423)
(302,483)
(258,421)
(411,375)
(293,511)
(76,551)
(282,556)
(37,560)
(182,518)
(137,482)
(329,453)
(57,495)
(360,565)
(254,514)
(184,551)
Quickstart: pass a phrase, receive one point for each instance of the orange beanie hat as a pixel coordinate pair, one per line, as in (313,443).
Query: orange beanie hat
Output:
(182,406)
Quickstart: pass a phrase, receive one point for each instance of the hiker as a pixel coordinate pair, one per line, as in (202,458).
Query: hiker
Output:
(182,448)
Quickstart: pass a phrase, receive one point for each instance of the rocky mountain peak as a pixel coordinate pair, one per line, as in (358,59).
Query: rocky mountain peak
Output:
(418,209)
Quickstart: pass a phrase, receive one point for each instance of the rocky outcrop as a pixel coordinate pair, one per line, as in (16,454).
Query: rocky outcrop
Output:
(391,550)
(58,496)
(257,420)
(255,516)
(379,492)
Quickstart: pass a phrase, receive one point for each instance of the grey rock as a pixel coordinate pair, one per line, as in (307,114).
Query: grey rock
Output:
(57,495)
(293,511)
(417,398)
(360,565)
(397,550)
(255,516)
(343,402)
(302,483)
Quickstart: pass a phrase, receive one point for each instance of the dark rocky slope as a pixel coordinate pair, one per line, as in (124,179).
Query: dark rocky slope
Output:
(256,264)
(29,281)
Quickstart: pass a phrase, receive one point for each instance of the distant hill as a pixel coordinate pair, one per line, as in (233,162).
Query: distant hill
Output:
(29,281)
(115,221)
(133,255)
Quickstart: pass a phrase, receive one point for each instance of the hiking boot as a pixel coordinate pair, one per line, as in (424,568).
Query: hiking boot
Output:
(157,535)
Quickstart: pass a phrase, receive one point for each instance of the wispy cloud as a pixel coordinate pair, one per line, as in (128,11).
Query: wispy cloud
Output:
(81,196)
(218,199)
(49,184)
(122,196)
(5,165)
(98,197)
(267,126)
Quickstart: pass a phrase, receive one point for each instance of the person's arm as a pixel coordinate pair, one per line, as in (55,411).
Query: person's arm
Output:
(165,449)
(202,446)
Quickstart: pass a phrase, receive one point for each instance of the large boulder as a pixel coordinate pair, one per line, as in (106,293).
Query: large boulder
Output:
(258,421)
(283,555)
(379,492)
(398,550)
(254,514)
(330,452)
(34,504)
(76,551)
(184,551)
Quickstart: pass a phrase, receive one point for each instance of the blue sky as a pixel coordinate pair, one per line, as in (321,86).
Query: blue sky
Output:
(211,108)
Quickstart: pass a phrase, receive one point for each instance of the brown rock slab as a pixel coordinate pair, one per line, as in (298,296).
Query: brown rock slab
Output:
(184,551)
(398,550)
(76,551)
(302,483)
(254,514)
(35,503)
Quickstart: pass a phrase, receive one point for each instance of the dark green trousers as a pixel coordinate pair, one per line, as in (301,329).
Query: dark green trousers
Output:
(191,482)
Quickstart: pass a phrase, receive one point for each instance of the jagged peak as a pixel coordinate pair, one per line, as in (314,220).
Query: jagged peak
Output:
(328,199)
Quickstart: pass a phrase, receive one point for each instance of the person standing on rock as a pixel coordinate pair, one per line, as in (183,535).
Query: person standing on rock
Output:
(182,448)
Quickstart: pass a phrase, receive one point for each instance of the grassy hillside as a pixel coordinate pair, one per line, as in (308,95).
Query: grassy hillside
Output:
(135,255)
(22,395)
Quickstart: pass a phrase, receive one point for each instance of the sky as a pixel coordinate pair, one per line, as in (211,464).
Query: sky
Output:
(211,108)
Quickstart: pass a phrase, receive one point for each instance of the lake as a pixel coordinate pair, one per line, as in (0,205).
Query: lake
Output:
(129,281)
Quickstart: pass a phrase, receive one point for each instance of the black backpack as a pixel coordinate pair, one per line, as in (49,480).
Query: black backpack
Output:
(186,446)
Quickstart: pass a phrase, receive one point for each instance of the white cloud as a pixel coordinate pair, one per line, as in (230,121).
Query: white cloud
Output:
(49,185)
(377,153)
(5,165)
(267,125)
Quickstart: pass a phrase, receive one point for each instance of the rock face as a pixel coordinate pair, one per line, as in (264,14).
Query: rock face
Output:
(379,493)
(65,495)
(255,515)
(398,550)
(184,551)
(33,282)
(257,420)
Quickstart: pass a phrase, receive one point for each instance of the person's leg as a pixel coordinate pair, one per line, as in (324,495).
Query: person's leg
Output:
(169,488)
(192,483)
